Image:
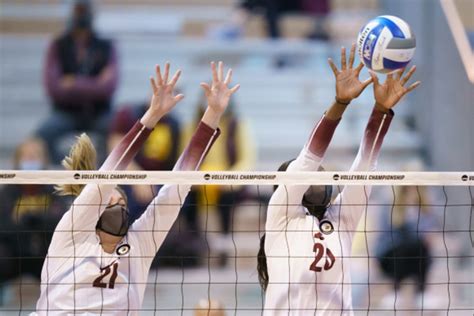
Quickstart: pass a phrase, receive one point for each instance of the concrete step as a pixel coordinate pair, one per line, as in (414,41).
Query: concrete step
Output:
(180,17)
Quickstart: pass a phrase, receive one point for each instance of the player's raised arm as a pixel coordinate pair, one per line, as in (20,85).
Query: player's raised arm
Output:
(218,95)
(160,215)
(348,87)
(92,199)
(387,95)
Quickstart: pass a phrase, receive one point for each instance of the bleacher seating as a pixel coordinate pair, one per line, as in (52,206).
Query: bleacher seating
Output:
(293,97)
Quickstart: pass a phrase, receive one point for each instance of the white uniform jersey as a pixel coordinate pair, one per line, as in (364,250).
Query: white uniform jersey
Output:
(309,270)
(82,278)
(78,276)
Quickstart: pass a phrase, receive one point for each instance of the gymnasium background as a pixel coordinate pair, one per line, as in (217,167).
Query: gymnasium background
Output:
(286,86)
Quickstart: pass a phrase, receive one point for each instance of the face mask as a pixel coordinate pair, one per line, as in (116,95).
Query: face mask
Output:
(317,199)
(30,165)
(114,220)
(83,22)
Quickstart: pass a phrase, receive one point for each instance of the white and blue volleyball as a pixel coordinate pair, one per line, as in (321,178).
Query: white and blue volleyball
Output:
(386,44)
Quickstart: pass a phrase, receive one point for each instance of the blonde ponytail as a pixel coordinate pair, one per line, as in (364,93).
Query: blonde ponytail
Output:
(82,156)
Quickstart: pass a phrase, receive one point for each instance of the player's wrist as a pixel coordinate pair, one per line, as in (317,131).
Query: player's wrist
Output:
(212,117)
(336,111)
(381,108)
(151,118)
(342,101)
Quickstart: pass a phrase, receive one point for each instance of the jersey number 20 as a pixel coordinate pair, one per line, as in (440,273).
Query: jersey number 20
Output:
(330,259)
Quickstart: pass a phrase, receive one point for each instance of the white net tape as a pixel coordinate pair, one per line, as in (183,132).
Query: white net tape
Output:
(238,178)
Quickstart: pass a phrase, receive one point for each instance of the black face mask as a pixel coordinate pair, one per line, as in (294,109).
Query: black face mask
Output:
(82,22)
(317,199)
(81,15)
(114,220)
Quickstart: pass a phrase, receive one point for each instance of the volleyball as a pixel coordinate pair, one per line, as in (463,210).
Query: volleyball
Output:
(386,43)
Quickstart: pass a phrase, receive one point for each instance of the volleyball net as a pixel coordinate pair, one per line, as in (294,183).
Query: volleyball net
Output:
(411,250)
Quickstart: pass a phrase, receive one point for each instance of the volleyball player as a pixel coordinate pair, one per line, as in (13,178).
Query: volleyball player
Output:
(304,257)
(96,263)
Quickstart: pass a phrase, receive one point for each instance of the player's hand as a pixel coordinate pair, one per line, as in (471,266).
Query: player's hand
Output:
(218,93)
(348,85)
(163,99)
(388,94)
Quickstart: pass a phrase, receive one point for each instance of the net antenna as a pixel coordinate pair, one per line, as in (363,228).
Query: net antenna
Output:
(459,33)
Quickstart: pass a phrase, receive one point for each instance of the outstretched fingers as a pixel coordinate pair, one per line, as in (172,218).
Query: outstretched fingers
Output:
(234,89)
(343,58)
(412,87)
(206,88)
(219,82)
(214,72)
(175,79)
(352,56)
(178,98)
(228,77)
(333,66)
(158,75)
(400,73)
(367,82)
(220,71)
(408,76)
(359,68)
(153,85)
(167,73)
(390,76)
(374,78)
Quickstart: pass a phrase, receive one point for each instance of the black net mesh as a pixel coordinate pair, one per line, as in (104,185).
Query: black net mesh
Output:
(412,253)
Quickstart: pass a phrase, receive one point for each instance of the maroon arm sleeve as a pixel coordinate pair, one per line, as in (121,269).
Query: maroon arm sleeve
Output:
(125,151)
(377,128)
(321,136)
(197,149)
(352,201)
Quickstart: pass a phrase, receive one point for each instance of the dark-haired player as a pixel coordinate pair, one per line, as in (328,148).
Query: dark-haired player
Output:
(304,258)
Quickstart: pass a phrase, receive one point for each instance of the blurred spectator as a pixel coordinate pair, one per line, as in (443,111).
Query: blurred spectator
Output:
(159,152)
(80,76)
(273,10)
(233,151)
(209,308)
(29,215)
(403,249)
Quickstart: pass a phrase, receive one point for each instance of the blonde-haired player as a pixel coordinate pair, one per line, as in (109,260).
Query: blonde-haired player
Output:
(304,258)
(96,263)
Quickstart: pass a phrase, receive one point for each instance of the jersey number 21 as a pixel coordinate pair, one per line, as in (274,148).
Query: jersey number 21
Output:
(105,272)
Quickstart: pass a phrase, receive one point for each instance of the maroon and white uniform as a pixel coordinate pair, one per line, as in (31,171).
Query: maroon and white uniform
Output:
(78,276)
(309,272)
